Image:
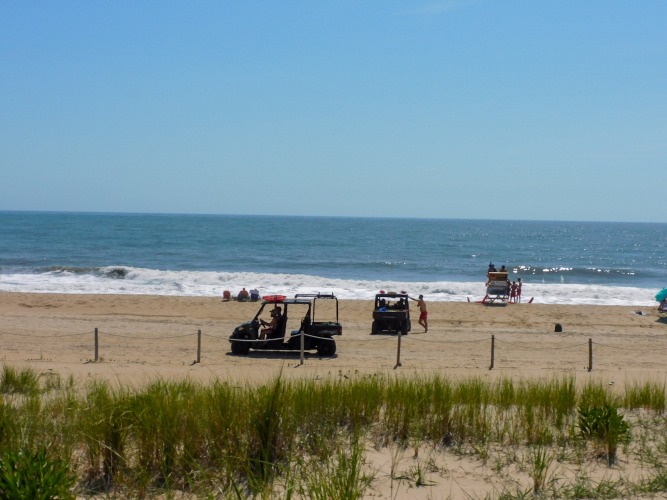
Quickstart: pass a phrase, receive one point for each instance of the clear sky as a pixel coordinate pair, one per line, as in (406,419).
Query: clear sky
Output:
(548,110)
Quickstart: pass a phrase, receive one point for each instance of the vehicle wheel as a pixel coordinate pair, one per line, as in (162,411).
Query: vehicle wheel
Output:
(374,329)
(240,347)
(326,347)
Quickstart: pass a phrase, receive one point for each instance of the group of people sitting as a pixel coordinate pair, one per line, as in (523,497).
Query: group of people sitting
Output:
(492,269)
(243,295)
(399,305)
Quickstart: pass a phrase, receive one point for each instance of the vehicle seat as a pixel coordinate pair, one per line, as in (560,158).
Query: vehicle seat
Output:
(305,323)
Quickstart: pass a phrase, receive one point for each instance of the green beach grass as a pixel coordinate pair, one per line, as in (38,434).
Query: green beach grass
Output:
(311,438)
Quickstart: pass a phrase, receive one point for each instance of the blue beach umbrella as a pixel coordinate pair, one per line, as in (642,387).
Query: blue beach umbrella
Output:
(661,295)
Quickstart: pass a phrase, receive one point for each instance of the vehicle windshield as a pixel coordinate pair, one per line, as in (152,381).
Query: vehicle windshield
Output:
(391,302)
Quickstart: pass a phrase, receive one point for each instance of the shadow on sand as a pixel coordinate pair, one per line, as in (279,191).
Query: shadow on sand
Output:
(280,355)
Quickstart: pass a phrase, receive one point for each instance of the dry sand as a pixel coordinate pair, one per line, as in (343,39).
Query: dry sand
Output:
(141,338)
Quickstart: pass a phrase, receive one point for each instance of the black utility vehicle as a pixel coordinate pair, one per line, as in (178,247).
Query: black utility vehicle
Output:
(391,313)
(296,315)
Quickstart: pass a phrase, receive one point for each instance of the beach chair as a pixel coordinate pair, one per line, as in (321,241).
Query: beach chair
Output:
(254,295)
(496,287)
(226,296)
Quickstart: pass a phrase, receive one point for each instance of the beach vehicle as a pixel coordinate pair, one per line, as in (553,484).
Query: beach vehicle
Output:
(497,287)
(297,316)
(391,313)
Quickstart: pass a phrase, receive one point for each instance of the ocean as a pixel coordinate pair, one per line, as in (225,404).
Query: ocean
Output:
(443,259)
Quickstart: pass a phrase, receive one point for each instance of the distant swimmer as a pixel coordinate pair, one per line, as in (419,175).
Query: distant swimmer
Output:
(423,314)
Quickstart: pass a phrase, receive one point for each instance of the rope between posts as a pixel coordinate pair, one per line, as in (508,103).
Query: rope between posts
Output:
(513,344)
(629,348)
(256,340)
(569,346)
(211,336)
(315,337)
(281,339)
(437,341)
(146,338)
(44,336)
(533,346)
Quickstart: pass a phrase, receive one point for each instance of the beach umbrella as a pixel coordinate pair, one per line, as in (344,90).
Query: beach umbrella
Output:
(661,295)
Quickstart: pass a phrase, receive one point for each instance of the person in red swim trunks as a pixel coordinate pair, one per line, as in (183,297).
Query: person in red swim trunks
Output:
(423,314)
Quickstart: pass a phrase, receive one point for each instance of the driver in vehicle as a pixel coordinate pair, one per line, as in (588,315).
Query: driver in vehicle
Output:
(271,326)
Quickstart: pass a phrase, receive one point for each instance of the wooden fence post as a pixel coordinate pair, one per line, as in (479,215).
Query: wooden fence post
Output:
(198,346)
(302,348)
(97,351)
(590,354)
(493,351)
(398,351)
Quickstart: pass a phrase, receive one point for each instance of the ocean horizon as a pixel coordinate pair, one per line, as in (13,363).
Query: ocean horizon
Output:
(559,262)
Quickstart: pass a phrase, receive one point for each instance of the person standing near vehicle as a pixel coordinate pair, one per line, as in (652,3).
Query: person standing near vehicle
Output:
(423,314)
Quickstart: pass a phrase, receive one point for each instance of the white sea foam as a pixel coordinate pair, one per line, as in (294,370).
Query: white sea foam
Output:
(192,283)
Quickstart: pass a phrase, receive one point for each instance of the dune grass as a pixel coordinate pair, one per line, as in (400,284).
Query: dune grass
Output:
(309,438)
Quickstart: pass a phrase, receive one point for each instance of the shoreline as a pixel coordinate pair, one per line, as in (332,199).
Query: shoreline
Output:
(143,337)
(354,290)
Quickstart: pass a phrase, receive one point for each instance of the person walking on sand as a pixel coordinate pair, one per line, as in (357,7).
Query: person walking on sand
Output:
(423,314)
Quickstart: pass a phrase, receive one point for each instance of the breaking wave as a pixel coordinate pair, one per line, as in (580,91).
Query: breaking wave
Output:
(131,280)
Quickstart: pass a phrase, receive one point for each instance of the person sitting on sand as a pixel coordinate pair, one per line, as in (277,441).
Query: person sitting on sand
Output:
(242,296)
(271,326)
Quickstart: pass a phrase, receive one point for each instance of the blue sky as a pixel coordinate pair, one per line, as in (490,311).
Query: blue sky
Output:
(547,110)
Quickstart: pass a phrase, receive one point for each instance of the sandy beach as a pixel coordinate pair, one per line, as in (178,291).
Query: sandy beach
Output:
(143,338)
